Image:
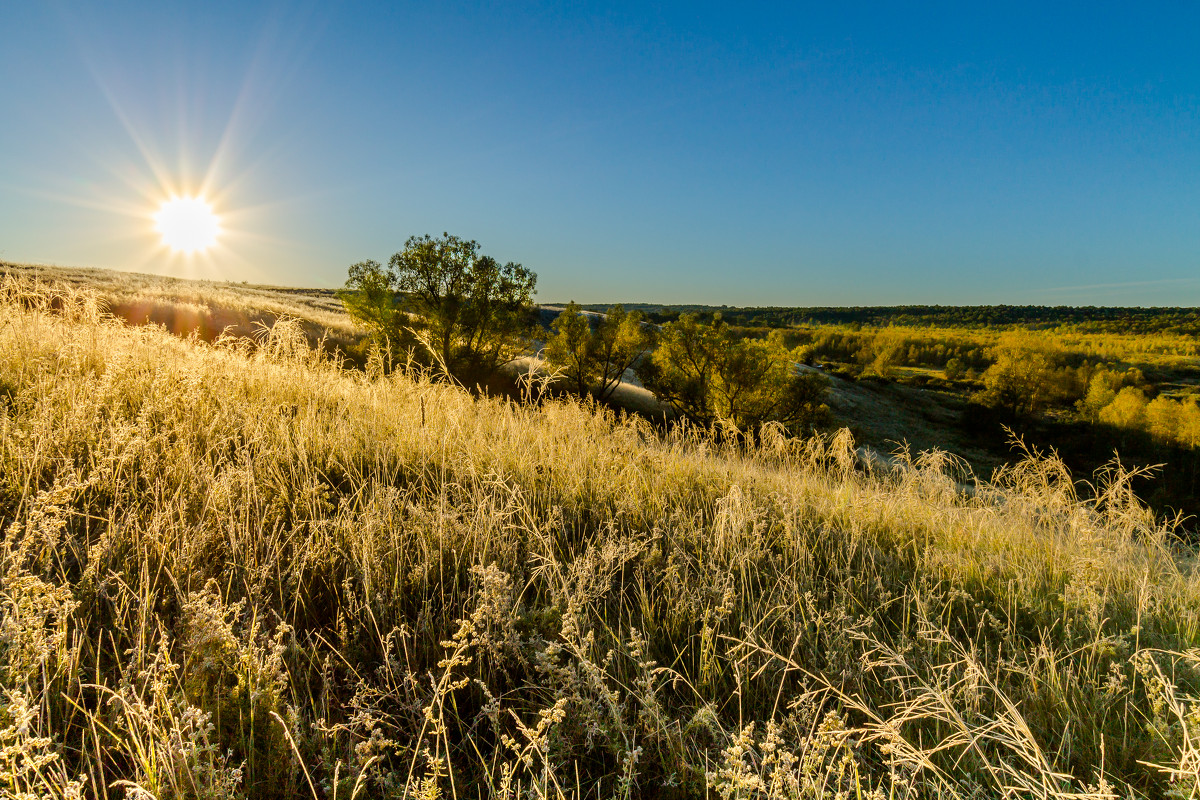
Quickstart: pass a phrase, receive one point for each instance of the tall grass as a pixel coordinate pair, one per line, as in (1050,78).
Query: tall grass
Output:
(239,570)
(205,309)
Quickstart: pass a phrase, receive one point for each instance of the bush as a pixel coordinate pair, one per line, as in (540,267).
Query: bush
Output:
(707,375)
(593,359)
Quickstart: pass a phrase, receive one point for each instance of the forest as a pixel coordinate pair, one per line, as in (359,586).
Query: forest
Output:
(1090,319)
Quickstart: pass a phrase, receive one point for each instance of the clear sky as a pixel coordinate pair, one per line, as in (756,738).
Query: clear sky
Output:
(821,154)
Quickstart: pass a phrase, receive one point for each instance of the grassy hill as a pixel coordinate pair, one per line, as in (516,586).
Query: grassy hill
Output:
(206,309)
(238,569)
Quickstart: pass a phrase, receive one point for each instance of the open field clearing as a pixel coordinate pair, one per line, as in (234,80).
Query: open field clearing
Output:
(240,570)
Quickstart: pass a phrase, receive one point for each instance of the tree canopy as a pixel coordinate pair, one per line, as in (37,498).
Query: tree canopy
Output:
(593,358)
(1027,375)
(708,374)
(370,299)
(474,311)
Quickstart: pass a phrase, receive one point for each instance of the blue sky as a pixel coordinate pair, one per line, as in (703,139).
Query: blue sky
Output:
(768,155)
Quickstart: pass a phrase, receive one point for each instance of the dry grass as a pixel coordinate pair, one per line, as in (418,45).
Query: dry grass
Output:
(206,309)
(237,569)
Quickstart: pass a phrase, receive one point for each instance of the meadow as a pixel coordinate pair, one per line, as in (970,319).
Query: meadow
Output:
(239,567)
(201,308)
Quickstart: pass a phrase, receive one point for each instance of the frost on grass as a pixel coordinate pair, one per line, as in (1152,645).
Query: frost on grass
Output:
(238,569)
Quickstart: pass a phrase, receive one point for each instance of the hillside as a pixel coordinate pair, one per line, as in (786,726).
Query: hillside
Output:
(206,309)
(915,408)
(238,569)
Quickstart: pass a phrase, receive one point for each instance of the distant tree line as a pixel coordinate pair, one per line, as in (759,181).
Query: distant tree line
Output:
(1080,319)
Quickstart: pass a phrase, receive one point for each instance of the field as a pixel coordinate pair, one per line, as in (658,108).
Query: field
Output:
(205,309)
(243,568)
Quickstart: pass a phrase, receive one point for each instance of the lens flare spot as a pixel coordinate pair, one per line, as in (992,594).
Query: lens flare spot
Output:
(187,224)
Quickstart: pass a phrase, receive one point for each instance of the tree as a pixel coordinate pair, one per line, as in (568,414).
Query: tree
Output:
(1163,417)
(708,374)
(475,310)
(620,342)
(1127,411)
(683,367)
(594,358)
(1188,429)
(370,299)
(1099,394)
(1026,376)
(570,347)
(884,352)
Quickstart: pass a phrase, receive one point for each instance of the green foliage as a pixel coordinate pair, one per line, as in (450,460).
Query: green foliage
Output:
(1187,423)
(886,351)
(594,359)
(1026,376)
(880,351)
(570,348)
(1091,319)
(708,374)
(1102,390)
(1127,409)
(371,300)
(476,312)
(1169,421)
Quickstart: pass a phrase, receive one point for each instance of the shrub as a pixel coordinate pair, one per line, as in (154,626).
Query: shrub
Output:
(708,375)
(593,359)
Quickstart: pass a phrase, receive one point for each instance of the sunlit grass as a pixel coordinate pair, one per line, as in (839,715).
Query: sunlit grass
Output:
(238,569)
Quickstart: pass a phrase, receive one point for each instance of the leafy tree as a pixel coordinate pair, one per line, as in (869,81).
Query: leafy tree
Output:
(1100,393)
(1188,427)
(475,310)
(708,374)
(1127,410)
(594,359)
(1163,418)
(1026,377)
(684,366)
(570,347)
(370,298)
(621,340)
(884,353)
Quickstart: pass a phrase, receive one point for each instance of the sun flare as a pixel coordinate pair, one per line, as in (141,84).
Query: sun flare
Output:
(187,224)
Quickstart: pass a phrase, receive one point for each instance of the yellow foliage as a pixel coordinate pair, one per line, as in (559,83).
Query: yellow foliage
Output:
(1127,410)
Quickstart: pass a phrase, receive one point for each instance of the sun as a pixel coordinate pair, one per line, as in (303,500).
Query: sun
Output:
(187,224)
